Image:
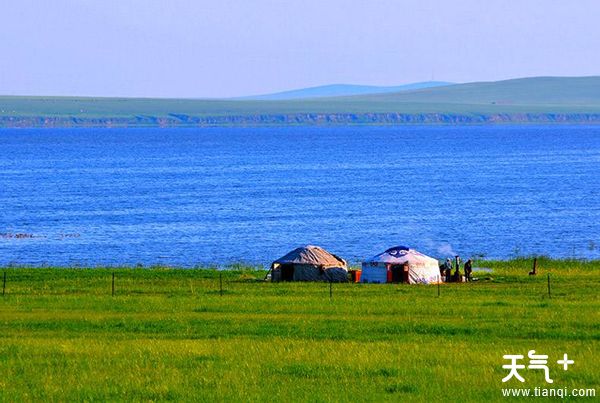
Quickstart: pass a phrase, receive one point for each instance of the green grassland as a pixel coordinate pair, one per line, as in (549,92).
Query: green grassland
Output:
(171,334)
(519,100)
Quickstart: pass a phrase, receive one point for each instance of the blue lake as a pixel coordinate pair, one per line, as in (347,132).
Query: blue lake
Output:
(223,195)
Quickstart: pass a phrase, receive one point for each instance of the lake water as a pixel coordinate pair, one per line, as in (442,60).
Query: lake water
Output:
(224,195)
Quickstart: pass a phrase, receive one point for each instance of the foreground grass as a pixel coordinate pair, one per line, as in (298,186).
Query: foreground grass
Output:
(170,334)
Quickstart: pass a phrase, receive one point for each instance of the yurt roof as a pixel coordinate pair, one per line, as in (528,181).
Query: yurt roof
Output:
(402,254)
(313,255)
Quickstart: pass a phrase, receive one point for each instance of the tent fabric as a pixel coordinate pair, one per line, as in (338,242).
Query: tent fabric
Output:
(422,268)
(312,255)
(336,275)
(310,263)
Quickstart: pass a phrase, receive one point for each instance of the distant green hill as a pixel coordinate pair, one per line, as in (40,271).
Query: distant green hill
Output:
(526,100)
(337,90)
(583,91)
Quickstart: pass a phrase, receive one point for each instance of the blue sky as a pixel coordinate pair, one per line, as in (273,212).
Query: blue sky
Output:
(206,48)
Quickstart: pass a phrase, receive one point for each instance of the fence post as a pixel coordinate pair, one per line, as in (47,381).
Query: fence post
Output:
(439,280)
(4,284)
(113,284)
(221,283)
(549,294)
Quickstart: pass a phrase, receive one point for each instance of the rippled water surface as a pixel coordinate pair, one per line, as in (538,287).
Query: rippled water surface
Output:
(222,195)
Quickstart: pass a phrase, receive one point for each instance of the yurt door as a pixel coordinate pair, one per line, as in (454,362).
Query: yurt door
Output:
(287,272)
(397,274)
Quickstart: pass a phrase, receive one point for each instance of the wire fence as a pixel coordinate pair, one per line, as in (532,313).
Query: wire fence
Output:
(131,282)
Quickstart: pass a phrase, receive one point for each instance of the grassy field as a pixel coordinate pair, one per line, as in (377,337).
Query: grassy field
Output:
(171,334)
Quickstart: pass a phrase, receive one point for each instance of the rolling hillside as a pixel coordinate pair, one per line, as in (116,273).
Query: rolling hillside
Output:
(560,91)
(337,90)
(526,100)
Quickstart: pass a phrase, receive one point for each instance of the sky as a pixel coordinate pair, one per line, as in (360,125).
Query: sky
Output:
(225,48)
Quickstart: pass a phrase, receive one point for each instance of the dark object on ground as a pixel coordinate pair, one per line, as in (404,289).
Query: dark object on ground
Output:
(534,271)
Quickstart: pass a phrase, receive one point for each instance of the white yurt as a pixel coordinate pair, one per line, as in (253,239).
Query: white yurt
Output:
(401,264)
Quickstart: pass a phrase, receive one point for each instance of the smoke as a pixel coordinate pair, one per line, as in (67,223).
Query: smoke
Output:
(443,248)
(446,250)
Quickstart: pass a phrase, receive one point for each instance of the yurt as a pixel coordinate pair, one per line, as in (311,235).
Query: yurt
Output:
(401,265)
(309,263)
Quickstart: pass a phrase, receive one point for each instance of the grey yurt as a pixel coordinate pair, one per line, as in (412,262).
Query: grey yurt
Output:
(309,263)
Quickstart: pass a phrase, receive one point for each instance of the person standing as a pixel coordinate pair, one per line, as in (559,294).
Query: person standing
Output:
(447,269)
(468,269)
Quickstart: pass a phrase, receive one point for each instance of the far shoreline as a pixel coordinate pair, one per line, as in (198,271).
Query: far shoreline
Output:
(307,120)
